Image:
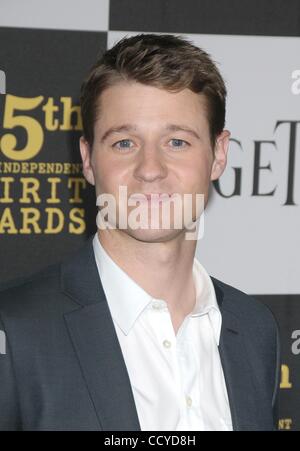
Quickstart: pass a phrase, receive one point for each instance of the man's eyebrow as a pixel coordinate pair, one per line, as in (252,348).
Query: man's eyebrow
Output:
(132,127)
(184,128)
(121,128)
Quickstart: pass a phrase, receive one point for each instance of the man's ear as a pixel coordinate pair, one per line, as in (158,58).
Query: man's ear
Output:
(85,150)
(220,155)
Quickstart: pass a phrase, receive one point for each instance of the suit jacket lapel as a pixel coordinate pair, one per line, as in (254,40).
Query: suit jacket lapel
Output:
(96,344)
(237,371)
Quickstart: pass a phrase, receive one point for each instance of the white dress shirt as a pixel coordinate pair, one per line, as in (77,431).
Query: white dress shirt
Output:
(177,379)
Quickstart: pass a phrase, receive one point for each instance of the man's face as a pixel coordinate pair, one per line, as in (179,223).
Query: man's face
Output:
(153,141)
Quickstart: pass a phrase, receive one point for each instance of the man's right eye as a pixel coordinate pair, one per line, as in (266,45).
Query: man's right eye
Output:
(123,144)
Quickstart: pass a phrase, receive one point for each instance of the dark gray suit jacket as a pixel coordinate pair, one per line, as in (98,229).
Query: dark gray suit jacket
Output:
(64,370)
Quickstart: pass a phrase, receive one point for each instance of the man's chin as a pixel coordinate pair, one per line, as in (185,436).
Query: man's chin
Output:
(154,235)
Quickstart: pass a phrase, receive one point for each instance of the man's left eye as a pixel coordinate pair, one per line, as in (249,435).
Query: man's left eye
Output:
(178,142)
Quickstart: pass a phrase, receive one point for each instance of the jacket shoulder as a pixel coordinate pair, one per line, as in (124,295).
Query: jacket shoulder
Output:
(245,307)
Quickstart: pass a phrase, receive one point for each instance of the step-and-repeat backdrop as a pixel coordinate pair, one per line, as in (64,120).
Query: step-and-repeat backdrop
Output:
(252,223)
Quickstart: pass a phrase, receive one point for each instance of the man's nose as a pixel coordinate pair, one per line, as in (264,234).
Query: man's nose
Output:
(150,165)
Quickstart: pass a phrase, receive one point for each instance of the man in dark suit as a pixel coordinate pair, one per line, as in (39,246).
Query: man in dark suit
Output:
(131,333)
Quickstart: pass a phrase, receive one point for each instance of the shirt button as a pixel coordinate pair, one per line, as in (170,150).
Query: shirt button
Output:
(189,401)
(156,306)
(167,344)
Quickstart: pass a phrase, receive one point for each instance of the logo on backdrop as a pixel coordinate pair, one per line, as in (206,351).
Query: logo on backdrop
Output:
(259,170)
(38,182)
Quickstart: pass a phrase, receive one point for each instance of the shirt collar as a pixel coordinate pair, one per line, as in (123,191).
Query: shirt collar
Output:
(206,300)
(118,285)
(126,299)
